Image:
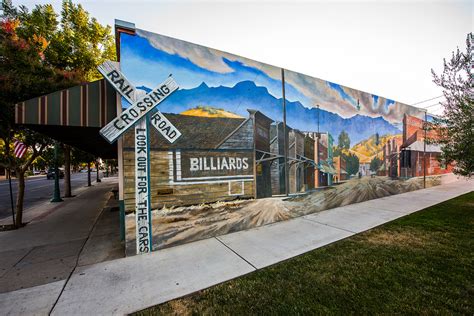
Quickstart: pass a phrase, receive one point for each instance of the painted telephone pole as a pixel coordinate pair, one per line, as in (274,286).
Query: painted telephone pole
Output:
(285,138)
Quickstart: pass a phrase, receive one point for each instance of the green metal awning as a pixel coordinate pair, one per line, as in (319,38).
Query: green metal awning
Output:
(73,116)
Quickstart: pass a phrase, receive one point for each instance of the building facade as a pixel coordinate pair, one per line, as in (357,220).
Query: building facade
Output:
(234,145)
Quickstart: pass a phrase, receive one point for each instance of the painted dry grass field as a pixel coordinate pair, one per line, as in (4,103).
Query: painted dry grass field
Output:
(419,264)
(175,226)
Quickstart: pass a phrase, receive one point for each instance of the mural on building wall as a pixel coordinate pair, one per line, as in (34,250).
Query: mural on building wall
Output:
(344,145)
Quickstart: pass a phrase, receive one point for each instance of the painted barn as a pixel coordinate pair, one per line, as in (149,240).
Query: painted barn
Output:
(215,159)
(277,149)
(296,161)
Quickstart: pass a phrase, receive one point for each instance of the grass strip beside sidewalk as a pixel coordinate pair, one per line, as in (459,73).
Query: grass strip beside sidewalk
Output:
(422,263)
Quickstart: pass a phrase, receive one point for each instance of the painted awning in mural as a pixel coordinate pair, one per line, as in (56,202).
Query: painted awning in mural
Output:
(325,167)
(73,116)
(430,148)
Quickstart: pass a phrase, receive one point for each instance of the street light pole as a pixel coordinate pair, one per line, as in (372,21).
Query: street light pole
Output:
(56,193)
(97,171)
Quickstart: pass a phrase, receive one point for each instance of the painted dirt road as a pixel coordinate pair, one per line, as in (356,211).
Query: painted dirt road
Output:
(174,226)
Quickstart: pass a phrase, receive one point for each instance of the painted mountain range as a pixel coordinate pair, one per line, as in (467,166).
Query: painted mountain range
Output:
(246,95)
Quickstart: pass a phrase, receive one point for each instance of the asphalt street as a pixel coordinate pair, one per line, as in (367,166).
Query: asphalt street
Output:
(38,190)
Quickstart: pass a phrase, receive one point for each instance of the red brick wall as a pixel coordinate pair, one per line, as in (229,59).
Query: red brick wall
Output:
(413,130)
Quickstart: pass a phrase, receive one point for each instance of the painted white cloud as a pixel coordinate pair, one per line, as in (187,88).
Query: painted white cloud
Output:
(316,90)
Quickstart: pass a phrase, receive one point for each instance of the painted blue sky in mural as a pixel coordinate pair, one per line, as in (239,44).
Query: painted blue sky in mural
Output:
(153,64)
(222,80)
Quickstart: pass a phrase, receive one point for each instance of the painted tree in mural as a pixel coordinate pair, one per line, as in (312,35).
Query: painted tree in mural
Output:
(343,140)
(456,126)
(39,55)
(375,164)
(352,164)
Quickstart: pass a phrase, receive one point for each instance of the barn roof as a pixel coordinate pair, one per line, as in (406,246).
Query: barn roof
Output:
(197,132)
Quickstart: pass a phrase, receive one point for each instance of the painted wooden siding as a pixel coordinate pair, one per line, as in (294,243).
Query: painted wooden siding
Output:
(242,138)
(165,194)
(278,165)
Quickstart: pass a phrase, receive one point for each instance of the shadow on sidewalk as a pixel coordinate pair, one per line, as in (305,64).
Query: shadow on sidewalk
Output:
(84,231)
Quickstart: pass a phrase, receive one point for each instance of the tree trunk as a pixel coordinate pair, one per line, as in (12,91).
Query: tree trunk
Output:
(67,171)
(20,175)
(88,174)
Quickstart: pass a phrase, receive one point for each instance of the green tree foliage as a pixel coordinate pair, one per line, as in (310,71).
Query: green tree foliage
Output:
(79,157)
(343,140)
(375,164)
(76,42)
(455,128)
(46,160)
(40,54)
(352,164)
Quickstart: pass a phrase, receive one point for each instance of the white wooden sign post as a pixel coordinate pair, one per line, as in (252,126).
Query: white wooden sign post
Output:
(142,187)
(137,115)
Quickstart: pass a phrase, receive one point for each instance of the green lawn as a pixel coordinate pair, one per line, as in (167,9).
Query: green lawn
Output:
(422,263)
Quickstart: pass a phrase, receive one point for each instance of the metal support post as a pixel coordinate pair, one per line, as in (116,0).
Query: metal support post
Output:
(56,192)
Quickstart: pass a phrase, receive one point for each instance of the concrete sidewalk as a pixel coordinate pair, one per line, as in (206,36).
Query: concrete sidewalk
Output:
(130,284)
(42,255)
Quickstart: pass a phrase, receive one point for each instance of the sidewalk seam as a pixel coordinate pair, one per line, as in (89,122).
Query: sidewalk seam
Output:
(313,221)
(27,253)
(77,259)
(387,210)
(236,253)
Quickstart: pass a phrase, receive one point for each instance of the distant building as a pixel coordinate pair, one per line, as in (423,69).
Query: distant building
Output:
(364,169)
(340,166)
(414,153)
(324,172)
(391,156)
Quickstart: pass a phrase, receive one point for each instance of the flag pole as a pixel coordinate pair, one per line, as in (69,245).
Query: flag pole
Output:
(7,145)
(11,195)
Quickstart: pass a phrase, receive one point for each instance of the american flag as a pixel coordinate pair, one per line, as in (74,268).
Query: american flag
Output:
(19,149)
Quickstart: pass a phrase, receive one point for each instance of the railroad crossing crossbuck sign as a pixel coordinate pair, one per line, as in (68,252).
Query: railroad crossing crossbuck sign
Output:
(136,115)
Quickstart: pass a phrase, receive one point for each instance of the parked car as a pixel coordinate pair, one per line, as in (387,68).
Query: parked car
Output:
(51,174)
